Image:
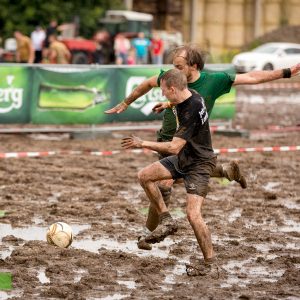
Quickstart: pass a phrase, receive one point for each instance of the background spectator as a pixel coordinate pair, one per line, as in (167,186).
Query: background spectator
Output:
(1,50)
(58,52)
(157,49)
(51,29)
(141,45)
(121,47)
(25,51)
(131,57)
(37,38)
(104,53)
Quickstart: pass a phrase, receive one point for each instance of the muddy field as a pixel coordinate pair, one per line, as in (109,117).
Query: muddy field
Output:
(255,231)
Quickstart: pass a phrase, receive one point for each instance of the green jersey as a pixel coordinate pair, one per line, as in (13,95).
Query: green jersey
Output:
(210,86)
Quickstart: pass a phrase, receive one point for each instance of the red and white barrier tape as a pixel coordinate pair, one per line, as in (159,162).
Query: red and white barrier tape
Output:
(108,153)
(257,149)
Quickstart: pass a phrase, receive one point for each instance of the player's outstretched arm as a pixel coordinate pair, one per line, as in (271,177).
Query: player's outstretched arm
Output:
(139,91)
(172,147)
(255,77)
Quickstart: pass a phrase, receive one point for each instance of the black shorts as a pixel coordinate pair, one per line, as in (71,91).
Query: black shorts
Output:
(196,180)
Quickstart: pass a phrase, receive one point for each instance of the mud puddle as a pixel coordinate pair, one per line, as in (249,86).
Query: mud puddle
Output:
(30,233)
(87,243)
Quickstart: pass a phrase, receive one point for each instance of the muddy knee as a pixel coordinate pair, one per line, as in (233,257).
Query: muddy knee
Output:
(142,177)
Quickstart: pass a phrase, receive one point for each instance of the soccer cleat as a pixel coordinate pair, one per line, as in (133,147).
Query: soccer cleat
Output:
(142,244)
(232,172)
(209,269)
(167,227)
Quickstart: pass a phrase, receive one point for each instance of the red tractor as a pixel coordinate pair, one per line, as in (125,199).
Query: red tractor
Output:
(82,50)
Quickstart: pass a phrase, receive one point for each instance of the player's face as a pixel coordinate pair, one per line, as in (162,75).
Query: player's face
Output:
(180,64)
(167,92)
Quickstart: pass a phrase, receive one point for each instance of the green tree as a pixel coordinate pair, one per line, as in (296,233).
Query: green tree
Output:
(24,15)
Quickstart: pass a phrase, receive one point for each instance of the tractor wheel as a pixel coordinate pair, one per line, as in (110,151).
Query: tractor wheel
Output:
(80,58)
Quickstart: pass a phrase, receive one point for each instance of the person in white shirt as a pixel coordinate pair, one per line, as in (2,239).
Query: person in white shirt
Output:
(37,37)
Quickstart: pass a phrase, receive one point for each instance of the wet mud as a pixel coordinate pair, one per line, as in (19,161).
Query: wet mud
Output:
(256,231)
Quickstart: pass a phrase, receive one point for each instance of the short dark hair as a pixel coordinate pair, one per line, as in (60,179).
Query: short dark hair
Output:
(193,55)
(174,78)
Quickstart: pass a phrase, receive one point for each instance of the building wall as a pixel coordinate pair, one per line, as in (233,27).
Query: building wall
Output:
(167,13)
(293,10)
(230,24)
(220,25)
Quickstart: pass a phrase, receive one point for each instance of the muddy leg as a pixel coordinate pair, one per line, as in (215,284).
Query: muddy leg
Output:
(152,218)
(231,171)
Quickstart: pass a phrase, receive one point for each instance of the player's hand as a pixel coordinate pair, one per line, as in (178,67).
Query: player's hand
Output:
(131,142)
(295,70)
(117,109)
(159,107)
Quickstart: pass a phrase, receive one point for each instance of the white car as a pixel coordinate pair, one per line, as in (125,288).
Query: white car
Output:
(268,56)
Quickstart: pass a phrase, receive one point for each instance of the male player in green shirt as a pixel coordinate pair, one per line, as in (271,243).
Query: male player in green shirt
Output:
(189,60)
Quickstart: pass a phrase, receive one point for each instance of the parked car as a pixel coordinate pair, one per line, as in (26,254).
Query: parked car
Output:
(268,56)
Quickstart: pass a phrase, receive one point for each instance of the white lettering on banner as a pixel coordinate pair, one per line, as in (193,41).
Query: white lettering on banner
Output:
(10,79)
(11,95)
(147,101)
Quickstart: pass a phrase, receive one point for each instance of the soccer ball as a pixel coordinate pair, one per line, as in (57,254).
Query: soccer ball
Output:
(60,234)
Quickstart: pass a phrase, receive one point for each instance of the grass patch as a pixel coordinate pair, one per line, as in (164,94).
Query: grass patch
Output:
(5,281)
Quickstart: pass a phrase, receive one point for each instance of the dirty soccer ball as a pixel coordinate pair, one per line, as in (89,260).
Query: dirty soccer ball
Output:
(60,234)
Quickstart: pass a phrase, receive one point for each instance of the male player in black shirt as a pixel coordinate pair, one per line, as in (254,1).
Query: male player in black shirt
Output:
(192,158)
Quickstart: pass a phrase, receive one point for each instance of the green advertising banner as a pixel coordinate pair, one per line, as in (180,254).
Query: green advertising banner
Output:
(49,95)
(15,94)
(62,97)
(141,109)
